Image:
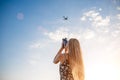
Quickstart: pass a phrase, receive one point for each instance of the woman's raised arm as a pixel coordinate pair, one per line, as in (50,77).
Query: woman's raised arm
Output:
(58,56)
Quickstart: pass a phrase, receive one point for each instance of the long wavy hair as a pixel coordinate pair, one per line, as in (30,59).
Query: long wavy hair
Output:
(75,59)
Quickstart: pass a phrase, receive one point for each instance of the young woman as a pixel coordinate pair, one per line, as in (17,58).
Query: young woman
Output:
(71,63)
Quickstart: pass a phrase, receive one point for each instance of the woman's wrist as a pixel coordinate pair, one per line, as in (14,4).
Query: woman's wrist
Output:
(61,49)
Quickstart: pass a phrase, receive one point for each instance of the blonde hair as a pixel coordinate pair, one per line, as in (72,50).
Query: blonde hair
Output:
(75,59)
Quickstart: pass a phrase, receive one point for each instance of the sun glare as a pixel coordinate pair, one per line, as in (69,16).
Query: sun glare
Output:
(102,72)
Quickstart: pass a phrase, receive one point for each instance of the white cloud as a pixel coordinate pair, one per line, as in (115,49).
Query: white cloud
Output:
(118,16)
(20,16)
(95,18)
(88,34)
(63,32)
(58,34)
(91,13)
(99,21)
(100,9)
(83,18)
(118,8)
(76,35)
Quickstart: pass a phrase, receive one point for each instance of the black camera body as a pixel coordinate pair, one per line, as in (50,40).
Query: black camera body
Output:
(64,41)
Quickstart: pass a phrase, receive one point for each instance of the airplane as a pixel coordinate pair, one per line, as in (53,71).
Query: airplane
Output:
(65,17)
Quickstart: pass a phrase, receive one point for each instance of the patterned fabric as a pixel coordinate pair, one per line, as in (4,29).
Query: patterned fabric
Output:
(65,71)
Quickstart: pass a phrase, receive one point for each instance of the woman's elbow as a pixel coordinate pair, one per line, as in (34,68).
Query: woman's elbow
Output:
(55,62)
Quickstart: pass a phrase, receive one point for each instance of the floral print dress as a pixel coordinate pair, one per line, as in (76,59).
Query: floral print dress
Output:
(65,71)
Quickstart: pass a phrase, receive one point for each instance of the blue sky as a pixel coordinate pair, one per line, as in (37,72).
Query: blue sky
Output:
(31,33)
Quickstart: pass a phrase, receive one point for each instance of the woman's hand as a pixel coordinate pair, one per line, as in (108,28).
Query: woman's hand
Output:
(62,45)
